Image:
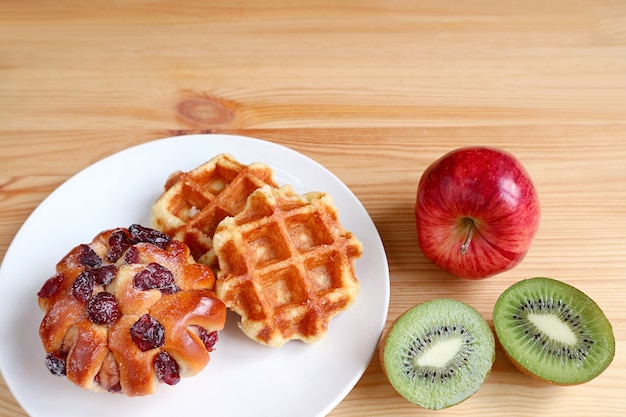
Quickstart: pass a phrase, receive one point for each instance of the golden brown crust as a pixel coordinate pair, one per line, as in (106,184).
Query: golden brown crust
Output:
(193,203)
(286,265)
(99,355)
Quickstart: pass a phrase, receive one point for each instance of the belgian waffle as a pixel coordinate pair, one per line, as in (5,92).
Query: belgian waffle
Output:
(194,202)
(286,265)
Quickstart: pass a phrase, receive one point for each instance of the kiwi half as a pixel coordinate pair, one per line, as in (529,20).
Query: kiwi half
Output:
(438,353)
(553,331)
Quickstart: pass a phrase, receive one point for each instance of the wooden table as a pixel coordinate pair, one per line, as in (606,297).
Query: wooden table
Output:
(375,91)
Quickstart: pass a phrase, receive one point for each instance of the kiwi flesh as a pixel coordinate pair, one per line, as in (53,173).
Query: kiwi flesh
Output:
(438,353)
(553,331)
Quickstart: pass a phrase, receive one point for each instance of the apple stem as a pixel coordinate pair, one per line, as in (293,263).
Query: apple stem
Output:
(470,231)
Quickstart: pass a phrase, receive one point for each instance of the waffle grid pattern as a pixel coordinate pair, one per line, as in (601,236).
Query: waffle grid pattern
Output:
(286,265)
(196,201)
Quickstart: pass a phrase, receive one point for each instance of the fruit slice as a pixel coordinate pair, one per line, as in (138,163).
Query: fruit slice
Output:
(553,331)
(438,353)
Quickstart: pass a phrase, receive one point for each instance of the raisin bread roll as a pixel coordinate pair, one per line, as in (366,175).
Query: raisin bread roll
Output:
(129,310)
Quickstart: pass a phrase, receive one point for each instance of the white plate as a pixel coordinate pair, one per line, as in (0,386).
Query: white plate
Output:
(243,378)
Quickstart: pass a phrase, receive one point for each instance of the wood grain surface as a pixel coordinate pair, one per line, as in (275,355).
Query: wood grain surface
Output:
(375,91)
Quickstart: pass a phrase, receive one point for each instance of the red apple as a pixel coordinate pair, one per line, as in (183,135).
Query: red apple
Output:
(476,211)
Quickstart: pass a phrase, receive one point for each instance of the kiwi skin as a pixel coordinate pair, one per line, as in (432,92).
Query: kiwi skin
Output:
(473,374)
(533,352)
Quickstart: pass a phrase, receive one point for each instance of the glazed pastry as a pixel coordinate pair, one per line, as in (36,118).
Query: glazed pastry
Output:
(129,310)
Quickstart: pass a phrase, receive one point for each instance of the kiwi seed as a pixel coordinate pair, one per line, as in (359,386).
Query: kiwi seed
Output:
(438,353)
(553,331)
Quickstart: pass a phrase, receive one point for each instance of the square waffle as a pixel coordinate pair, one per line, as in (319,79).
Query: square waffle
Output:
(286,265)
(194,202)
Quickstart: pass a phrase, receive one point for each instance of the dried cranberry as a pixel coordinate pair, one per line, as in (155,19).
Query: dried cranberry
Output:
(145,234)
(103,308)
(116,388)
(131,256)
(155,276)
(87,257)
(208,338)
(82,288)
(166,368)
(105,274)
(51,286)
(55,364)
(119,241)
(147,333)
